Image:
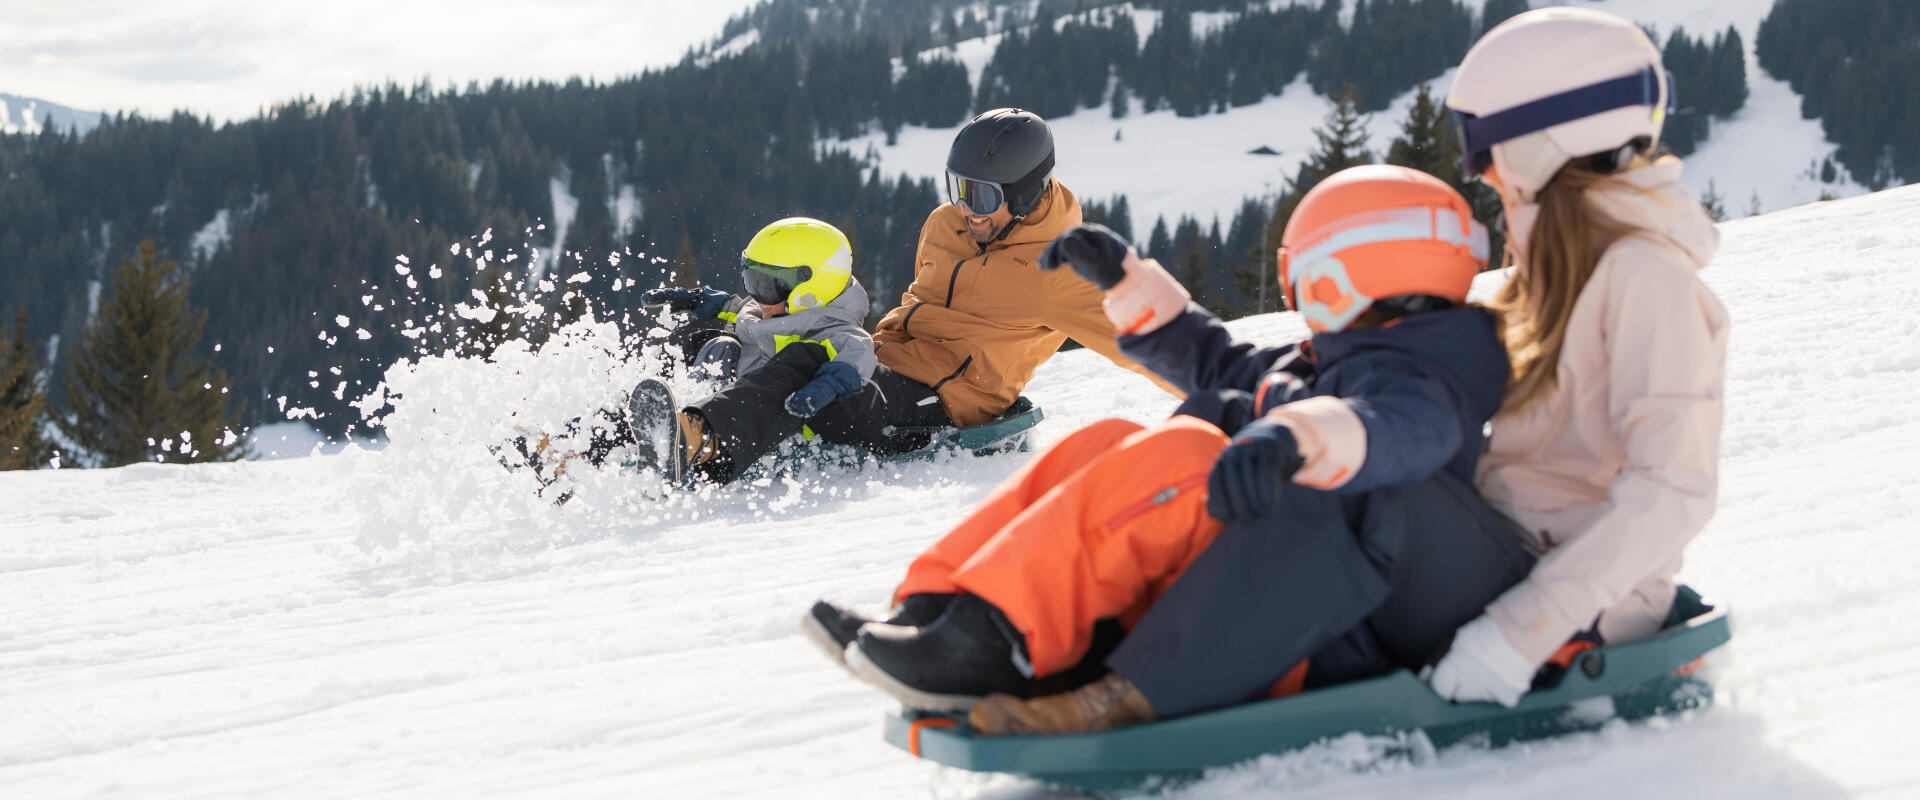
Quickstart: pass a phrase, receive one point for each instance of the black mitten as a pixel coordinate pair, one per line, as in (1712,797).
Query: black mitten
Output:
(1093,250)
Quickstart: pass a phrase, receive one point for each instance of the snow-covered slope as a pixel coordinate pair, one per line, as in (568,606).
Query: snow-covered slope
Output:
(28,115)
(409,623)
(1202,166)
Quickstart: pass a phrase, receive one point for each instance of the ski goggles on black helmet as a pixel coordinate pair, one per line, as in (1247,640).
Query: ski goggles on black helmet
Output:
(1479,134)
(769,284)
(978,197)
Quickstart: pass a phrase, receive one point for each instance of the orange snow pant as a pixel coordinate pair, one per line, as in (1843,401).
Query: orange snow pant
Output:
(1095,527)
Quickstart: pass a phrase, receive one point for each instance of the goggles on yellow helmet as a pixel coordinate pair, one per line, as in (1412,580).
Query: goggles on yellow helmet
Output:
(769,284)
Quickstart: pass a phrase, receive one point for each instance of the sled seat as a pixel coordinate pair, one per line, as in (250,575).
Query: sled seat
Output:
(1627,681)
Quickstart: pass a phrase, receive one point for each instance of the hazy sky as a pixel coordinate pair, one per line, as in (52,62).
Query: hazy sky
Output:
(231,58)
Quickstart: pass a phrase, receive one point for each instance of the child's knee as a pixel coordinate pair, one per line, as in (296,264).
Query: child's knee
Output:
(1184,438)
(1106,430)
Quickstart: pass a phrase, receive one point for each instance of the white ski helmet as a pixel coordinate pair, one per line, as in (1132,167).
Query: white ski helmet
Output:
(1555,84)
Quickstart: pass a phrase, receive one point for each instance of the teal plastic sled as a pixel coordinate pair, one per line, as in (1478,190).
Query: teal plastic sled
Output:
(1626,681)
(1007,433)
(1011,432)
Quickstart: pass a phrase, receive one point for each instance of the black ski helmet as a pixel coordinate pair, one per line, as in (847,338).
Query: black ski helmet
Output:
(1010,147)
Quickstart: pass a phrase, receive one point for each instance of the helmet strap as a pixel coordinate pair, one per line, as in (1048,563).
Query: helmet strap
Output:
(1008,228)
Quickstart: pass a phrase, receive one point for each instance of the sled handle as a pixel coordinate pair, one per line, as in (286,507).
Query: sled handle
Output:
(913,730)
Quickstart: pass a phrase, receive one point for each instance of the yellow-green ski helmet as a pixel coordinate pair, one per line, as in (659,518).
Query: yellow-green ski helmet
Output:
(799,260)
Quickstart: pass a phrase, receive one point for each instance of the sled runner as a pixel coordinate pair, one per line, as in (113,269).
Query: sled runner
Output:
(1626,681)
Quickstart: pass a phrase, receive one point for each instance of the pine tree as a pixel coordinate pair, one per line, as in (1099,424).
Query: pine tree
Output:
(1427,142)
(686,271)
(1190,258)
(1498,11)
(1729,73)
(1712,202)
(1341,142)
(1159,244)
(1252,269)
(135,391)
(22,402)
(1121,217)
(1424,142)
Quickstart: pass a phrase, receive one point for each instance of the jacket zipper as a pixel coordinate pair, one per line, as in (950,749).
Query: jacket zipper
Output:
(909,318)
(952,280)
(1159,498)
(956,374)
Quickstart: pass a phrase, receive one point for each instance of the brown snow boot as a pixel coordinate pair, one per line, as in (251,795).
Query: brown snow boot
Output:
(702,445)
(1111,702)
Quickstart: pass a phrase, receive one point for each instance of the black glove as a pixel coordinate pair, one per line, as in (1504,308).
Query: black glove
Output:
(1228,409)
(1245,482)
(702,302)
(1093,250)
(835,380)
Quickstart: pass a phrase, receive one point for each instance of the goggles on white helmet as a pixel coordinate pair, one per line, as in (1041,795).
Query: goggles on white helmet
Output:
(1479,134)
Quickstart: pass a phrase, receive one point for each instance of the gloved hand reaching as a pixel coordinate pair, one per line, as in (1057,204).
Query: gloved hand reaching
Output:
(1093,250)
(835,380)
(702,302)
(1245,482)
(1140,295)
(1481,666)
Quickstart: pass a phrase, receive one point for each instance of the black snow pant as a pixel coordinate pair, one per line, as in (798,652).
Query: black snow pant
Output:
(891,414)
(1358,584)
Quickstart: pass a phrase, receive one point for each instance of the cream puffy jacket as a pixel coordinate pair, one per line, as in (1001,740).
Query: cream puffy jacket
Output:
(1616,469)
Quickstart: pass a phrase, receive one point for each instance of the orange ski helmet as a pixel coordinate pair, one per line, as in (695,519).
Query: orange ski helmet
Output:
(1373,232)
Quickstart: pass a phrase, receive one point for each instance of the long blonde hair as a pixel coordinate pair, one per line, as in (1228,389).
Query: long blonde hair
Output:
(1535,305)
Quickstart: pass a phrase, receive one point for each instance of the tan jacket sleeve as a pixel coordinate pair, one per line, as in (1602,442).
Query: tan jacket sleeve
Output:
(1665,336)
(889,331)
(1076,311)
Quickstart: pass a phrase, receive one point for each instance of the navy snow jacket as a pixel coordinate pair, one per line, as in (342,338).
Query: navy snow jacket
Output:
(1423,387)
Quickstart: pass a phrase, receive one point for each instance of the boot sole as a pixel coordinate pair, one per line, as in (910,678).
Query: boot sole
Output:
(915,699)
(816,634)
(653,414)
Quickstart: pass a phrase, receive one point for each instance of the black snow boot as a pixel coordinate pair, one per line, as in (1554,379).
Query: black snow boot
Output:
(971,651)
(831,628)
(718,359)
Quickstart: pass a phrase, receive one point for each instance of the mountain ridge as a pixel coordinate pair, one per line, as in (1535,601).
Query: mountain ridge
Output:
(20,114)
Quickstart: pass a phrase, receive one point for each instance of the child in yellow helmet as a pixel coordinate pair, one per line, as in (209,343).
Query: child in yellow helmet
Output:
(802,297)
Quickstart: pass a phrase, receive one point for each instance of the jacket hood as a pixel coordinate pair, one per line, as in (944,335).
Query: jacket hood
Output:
(1658,203)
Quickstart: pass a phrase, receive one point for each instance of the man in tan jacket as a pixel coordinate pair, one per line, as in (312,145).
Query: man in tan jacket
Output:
(978,319)
(980,315)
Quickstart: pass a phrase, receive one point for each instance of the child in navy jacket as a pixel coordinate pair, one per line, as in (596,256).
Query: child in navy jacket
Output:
(1333,468)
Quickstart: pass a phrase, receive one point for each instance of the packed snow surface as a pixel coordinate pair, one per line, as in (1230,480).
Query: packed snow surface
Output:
(412,622)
